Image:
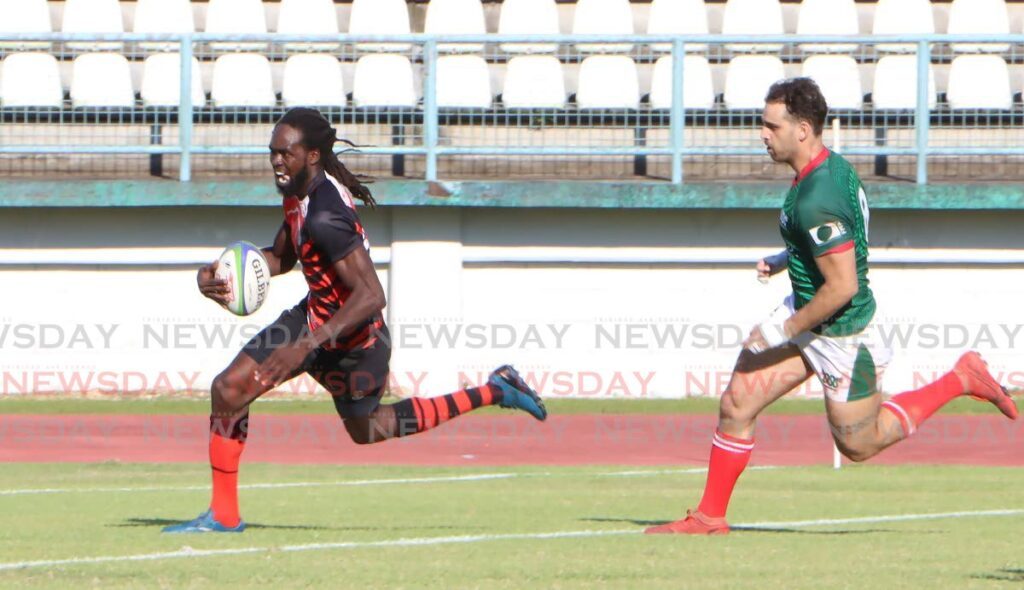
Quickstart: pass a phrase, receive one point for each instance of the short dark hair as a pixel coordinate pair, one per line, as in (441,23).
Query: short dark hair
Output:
(803,100)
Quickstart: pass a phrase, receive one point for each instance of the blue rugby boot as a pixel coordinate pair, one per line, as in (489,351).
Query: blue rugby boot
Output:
(204,523)
(516,393)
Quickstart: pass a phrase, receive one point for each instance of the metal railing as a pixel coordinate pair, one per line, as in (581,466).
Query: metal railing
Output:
(429,144)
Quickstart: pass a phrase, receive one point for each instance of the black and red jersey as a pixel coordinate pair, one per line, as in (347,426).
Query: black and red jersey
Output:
(325,228)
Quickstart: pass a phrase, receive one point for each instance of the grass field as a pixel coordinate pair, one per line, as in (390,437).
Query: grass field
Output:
(353,528)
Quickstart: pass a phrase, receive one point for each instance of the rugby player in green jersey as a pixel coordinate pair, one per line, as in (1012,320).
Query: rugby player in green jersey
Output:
(824,328)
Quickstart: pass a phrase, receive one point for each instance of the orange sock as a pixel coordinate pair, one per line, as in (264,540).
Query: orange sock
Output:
(729,457)
(224,456)
(914,407)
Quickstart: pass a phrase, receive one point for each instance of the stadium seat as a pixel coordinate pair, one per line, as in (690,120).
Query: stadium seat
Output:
(974,17)
(463,81)
(380,17)
(93,16)
(678,17)
(838,76)
(242,80)
(748,78)
(828,17)
(30,80)
(895,86)
(456,17)
(595,92)
(528,17)
(101,80)
(698,91)
(313,80)
(384,80)
(979,82)
(236,17)
(308,17)
(902,17)
(603,17)
(25,16)
(752,17)
(534,81)
(161,77)
(163,16)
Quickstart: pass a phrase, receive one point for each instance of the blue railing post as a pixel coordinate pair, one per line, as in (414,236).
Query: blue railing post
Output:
(678,112)
(922,118)
(430,118)
(185,110)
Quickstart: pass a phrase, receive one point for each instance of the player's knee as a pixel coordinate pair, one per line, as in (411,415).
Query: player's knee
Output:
(360,431)
(226,394)
(855,451)
(731,408)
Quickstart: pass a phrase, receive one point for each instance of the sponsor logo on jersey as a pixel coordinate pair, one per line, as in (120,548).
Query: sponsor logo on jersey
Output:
(827,232)
(783,219)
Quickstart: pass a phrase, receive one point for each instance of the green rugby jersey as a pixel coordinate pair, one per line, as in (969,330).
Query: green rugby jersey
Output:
(826,212)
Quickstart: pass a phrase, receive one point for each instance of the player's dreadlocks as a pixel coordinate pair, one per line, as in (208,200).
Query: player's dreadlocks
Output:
(317,133)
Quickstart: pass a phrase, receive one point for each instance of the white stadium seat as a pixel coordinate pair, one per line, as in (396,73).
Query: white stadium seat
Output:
(748,78)
(828,17)
(456,17)
(895,84)
(313,80)
(161,77)
(380,17)
(595,91)
(979,82)
(974,17)
(384,81)
(838,76)
(236,17)
(101,80)
(534,81)
(752,17)
(903,17)
(93,16)
(698,91)
(242,80)
(308,17)
(163,16)
(30,80)
(678,17)
(603,17)
(463,81)
(25,16)
(528,17)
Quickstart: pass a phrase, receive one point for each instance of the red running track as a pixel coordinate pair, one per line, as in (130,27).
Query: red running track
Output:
(491,440)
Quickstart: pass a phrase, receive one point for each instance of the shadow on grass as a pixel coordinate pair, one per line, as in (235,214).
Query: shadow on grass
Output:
(162,522)
(1003,575)
(744,529)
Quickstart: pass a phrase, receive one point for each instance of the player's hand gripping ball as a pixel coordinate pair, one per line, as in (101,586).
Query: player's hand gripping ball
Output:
(245,269)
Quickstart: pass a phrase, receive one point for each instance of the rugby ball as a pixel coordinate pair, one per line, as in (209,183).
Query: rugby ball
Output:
(245,268)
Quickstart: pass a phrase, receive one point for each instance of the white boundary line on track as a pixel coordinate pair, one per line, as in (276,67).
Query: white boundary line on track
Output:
(363,482)
(434,541)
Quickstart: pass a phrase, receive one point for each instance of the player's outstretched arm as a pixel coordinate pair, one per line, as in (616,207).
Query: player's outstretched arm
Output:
(366,298)
(281,256)
(839,269)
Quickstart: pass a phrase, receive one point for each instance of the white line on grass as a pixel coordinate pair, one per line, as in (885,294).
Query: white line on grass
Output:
(433,541)
(358,482)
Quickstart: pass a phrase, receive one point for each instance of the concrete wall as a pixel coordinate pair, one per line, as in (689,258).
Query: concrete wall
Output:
(583,319)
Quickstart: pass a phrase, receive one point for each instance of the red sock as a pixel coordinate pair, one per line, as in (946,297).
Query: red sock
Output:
(227,441)
(729,457)
(914,407)
(417,414)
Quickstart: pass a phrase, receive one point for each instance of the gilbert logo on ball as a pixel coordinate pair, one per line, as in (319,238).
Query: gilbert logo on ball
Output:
(246,270)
